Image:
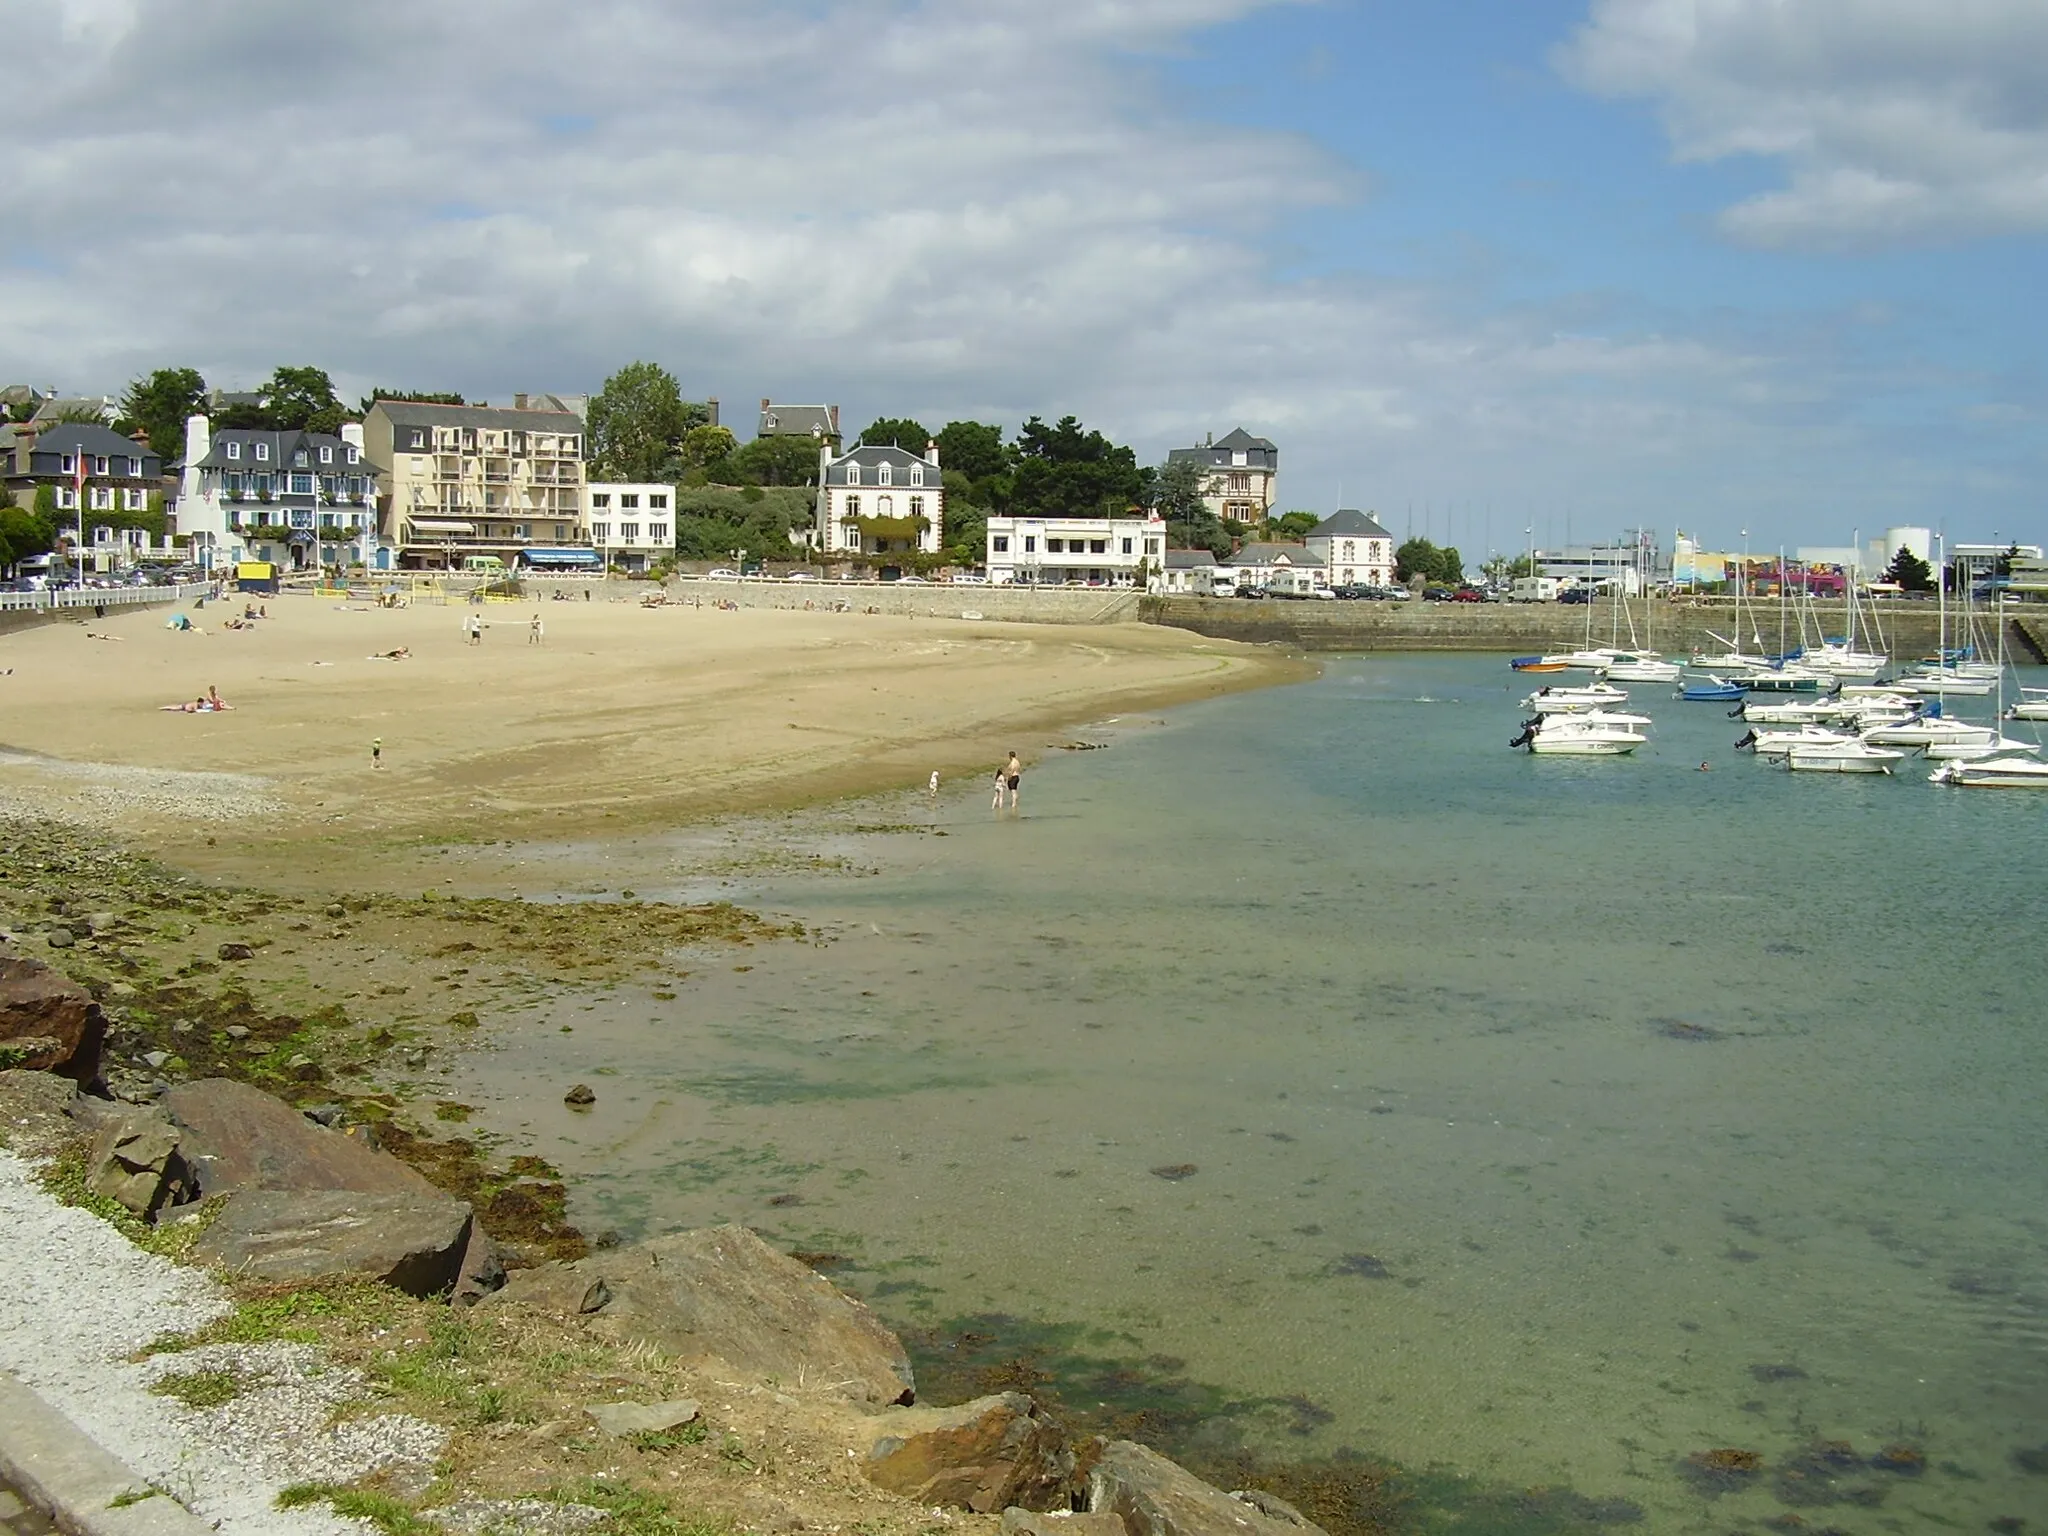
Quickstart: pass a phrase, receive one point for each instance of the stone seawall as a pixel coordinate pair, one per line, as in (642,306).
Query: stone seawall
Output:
(937,601)
(1674,628)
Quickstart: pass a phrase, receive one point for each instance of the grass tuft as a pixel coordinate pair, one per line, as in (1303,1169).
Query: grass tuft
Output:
(200,1389)
(389,1515)
(635,1511)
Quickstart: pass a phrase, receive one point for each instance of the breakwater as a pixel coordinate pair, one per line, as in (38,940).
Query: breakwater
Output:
(1675,627)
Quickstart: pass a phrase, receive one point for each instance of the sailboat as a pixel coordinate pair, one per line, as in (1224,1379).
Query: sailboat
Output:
(2006,765)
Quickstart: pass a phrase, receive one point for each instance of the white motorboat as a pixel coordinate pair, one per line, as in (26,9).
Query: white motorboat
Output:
(1576,736)
(1778,743)
(1973,751)
(1618,717)
(1926,731)
(1575,699)
(1790,711)
(1993,773)
(1844,661)
(1842,757)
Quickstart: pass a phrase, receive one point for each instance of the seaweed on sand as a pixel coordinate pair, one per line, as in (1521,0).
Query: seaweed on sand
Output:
(1721,1470)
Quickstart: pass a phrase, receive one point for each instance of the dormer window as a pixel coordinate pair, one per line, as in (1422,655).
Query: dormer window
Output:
(263,452)
(917,474)
(234,450)
(882,478)
(853,474)
(299,458)
(351,455)
(326,455)
(419,437)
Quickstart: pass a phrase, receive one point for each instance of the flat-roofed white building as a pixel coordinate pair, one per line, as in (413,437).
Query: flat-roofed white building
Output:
(1076,551)
(631,526)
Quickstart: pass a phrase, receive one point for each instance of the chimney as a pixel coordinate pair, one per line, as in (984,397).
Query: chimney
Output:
(832,415)
(352,434)
(711,409)
(519,402)
(1208,439)
(931,453)
(764,405)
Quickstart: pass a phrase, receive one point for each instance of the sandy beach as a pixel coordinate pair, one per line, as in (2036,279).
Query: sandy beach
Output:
(657,715)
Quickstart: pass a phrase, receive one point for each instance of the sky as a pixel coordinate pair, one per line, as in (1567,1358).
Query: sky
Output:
(1767,271)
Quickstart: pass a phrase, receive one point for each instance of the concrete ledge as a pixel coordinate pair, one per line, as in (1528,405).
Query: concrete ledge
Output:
(75,1480)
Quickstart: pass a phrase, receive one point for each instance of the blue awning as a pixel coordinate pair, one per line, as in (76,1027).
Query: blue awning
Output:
(559,556)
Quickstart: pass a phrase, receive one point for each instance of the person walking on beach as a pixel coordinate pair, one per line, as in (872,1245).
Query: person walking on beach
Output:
(1008,777)
(533,631)
(377,752)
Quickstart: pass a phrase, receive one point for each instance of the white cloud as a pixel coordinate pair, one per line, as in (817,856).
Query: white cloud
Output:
(963,207)
(1897,120)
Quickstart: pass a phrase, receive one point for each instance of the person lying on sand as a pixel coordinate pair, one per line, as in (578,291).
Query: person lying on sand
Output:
(91,636)
(398,653)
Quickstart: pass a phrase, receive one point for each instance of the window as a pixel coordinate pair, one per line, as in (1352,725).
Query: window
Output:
(628,532)
(1127,546)
(299,458)
(882,475)
(67,496)
(917,506)
(1055,546)
(600,533)
(326,455)
(600,498)
(68,463)
(629,499)
(1001,543)
(99,465)
(658,532)
(302,519)
(853,474)
(135,468)
(302,485)
(1238,457)
(917,474)
(135,499)
(234,450)
(885,506)
(658,501)
(1098,546)
(853,506)
(519,530)
(231,482)
(419,437)
(263,451)
(102,498)
(1030,543)
(351,455)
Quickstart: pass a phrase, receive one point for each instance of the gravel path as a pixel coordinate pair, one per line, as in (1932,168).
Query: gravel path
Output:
(77,1299)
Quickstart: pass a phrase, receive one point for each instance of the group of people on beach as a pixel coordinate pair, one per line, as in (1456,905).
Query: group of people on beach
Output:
(208,703)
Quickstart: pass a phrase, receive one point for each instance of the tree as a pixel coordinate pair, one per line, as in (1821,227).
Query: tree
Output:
(704,446)
(23,535)
(302,400)
(408,397)
(772,461)
(1419,557)
(1175,493)
(1909,572)
(900,431)
(636,423)
(974,448)
(159,404)
(1294,526)
(1062,471)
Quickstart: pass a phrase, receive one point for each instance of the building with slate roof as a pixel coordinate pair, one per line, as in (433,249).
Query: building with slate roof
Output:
(819,421)
(1239,473)
(1278,567)
(466,482)
(1191,572)
(301,500)
(89,469)
(876,501)
(1355,550)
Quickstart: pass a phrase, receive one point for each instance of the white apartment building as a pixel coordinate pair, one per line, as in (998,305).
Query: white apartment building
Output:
(631,526)
(1076,551)
(1355,550)
(878,501)
(298,499)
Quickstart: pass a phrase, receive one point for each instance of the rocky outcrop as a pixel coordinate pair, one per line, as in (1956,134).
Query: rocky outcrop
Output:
(48,1023)
(720,1296)
(986,1455)
(136,1162)
(1060,1522)
(1154,1497)
(239,1137)
(409,1241)
(36,1113)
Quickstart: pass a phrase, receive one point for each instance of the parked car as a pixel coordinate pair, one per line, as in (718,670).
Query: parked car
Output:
(1436,594)
(1468,595)
(1251,592)
(722,574)
(1580,595)
(799,576)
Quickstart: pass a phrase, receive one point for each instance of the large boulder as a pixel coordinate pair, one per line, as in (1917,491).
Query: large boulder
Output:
(720,1296)
(135,1161)
(987,1455)
(1059,1522)
(412,1242)
(1154,1497)
(239,1137)
(48,1023)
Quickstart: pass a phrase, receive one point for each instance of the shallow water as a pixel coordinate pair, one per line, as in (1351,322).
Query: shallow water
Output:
(1549,1120)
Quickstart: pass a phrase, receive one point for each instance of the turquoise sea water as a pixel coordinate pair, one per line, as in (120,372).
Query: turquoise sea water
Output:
(1541,1120)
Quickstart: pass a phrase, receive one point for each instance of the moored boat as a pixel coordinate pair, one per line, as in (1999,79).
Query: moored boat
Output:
(1854,756)
(1992,773)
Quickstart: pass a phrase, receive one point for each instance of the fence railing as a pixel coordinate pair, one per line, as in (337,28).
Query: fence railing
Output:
(102,597)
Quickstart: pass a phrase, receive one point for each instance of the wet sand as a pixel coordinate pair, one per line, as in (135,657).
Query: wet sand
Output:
(623,716)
